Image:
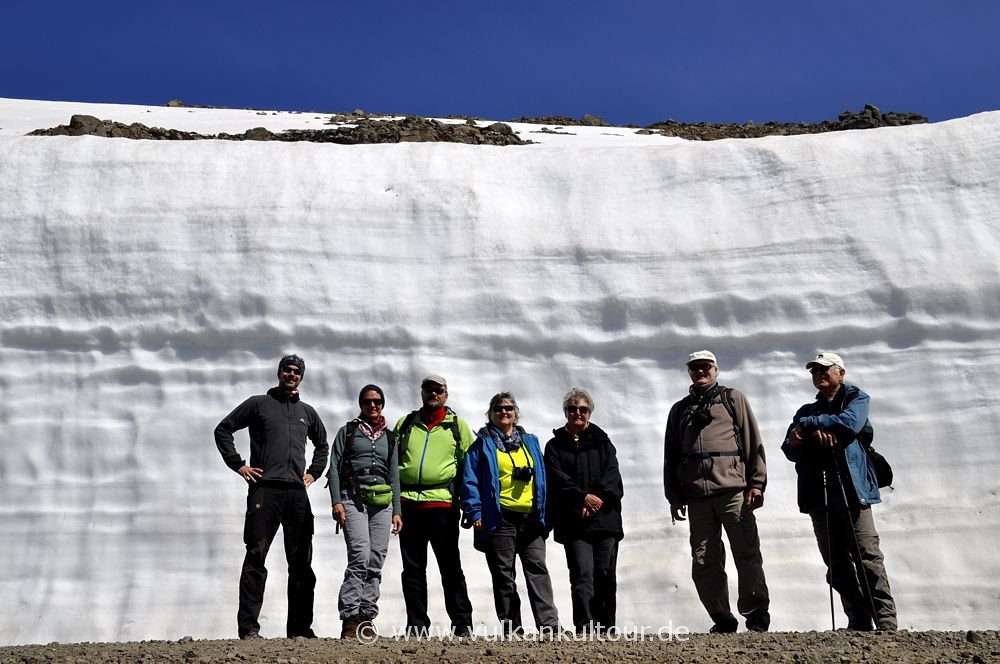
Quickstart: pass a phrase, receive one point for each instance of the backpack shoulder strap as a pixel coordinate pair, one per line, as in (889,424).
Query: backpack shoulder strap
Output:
(730,404)
(349,431)
(453,425)
(404,433)
(392,440)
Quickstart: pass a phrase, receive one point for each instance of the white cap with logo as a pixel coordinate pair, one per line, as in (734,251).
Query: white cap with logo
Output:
(826,359)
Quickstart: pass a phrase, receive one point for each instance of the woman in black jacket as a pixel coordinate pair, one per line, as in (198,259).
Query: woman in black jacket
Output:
(585,506)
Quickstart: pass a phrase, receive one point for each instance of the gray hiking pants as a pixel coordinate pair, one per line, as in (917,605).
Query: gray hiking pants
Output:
(366,533)
(520,535)
(708,516)
(843,572)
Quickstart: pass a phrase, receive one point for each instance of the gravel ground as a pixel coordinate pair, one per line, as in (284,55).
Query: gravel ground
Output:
(799,647)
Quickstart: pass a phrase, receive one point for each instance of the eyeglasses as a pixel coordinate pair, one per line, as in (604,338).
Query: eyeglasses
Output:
(292,370)
(503,409)
(372,402)
(440,389)
(583,410)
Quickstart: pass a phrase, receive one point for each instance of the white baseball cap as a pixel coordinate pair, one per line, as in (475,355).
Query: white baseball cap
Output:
(827,360)
(703,355)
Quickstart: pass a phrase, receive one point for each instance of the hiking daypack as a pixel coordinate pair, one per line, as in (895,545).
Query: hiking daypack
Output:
(404,442)
(404,433)
(883,471)
(350,430)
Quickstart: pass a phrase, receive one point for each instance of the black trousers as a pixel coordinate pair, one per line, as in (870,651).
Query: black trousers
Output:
(439,528)
(267,508)
(593,581)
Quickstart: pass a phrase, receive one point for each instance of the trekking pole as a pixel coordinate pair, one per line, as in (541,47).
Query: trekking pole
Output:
(829,550)
(860,571)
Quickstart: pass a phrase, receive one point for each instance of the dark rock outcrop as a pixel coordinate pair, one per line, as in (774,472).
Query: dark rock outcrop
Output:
(564,121)
(364,130)
(868,118)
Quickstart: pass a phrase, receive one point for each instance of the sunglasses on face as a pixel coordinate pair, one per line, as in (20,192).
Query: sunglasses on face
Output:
(819,370)
(583,410)
(503,409)
(372,402)
(698,368)
(291,370)
(440,389)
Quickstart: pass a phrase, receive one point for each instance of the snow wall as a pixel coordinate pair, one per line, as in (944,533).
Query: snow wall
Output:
(147,288)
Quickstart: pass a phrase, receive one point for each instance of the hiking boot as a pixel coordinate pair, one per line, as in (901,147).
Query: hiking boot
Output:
(463,630)
(511,630)
(307,634)
(725,623)
(349,630)
(859,622)
(758,621)
(250,636)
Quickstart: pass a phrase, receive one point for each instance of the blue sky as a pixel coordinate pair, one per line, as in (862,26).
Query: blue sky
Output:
(629,62)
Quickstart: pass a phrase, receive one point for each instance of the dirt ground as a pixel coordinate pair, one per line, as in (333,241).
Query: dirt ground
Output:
(800,647)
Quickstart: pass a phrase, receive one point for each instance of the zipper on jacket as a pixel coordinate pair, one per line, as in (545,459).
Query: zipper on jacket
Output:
(420,468)
(288,407)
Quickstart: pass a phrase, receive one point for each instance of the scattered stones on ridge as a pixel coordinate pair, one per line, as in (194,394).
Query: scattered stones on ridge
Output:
(564,121)
(868,118)
(363,130)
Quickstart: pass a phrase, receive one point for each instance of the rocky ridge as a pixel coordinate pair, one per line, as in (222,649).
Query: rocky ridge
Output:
(360,130)
(359,127)
(870,117)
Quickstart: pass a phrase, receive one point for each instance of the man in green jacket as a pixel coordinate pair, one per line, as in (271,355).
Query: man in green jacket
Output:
(432,443)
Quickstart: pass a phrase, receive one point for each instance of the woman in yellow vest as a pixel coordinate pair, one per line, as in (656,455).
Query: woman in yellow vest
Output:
(503,497)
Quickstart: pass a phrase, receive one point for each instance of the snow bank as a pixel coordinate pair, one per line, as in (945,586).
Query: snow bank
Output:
(147,288)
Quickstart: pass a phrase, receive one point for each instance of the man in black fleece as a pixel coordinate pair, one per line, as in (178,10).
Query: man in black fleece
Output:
(277,477)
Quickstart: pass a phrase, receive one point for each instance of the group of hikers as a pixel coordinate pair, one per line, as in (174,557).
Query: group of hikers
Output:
(429,475)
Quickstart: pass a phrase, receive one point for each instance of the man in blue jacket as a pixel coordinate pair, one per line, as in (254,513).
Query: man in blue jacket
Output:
(278,478)
(836,488)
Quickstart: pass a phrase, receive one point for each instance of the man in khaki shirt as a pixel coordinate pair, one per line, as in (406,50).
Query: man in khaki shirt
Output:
(714,470)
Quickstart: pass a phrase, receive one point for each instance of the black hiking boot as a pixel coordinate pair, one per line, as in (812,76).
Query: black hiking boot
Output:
(758,621)
(725,623)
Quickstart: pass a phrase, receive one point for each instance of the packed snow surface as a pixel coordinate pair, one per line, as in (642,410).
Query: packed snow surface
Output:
(146,288)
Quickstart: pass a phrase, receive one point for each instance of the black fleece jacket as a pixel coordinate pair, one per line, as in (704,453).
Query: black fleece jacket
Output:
(575,468)
(278,426)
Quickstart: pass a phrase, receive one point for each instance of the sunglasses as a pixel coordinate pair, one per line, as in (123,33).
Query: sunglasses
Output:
(292,370)
(698,368)
(819,369)
(583,410)
(503,409)
(372,402)
(440,389)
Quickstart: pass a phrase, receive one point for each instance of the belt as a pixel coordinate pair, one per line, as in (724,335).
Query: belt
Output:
(424,487)
(352,479)
(709,455)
